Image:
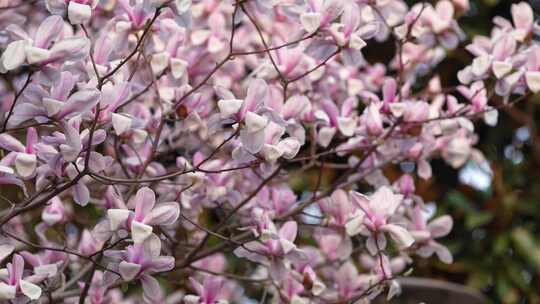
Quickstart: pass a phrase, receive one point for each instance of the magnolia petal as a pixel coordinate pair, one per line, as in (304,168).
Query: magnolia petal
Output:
(81,194)
(52,106)
(152,290)
(5,251)
(79,13)
(25,164)
(7,292)
(271,153)
(252,141)
(121,123)
(10,143)
(310,21)
(356,42)
(533,81)
(48,270)
(140,232)
(128,270)
(440,226)
(347,125)
(229,107)
(255,122)
(36,55)
(354,226)
(117,217)
(182,6)
(325,135)
(14,55)
(289,147)
(480,65)
(30,290)
(159,62)
(163,214)
(399,234)
(501,68)
(444,254)
(178,67)
(191,299)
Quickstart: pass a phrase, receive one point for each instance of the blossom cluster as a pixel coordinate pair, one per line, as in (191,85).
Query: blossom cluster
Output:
(153,143)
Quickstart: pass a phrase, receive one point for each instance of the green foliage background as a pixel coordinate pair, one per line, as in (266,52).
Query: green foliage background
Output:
(496,237)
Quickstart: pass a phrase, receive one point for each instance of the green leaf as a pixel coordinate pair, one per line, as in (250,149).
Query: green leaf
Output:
(478,219)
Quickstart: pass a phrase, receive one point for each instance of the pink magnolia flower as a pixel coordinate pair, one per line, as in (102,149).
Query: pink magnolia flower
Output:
(44,47)
(207,293)
(376,218)
(146,214)
(425,234)
(140,261)
(14,283)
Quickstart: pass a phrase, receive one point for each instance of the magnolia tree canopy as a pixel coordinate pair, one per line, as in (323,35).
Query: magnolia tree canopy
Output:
(147,146)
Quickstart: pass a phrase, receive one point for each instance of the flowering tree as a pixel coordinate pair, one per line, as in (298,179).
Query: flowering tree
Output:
(151,143)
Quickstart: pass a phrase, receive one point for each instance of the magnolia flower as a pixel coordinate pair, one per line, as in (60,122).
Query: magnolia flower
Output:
(376,218)
(23,157)
(38,50)
(425,234)
(14,283)
(207,293)
(146,214)
(140,261)
(78,11)
(332,119)
(247,111)
(273,243)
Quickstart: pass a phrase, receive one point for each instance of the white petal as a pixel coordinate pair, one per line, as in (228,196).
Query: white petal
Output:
(159,62)
(52,106)
(200,36)
(121,123)
(229,107)
(51,218)
(501,68)
(533,81)
(289,147)
(480,65)
(318,287)
(255,122)
(397,108)
(178,67)
(14,55)
(140,232)
(354,226)
(30,290)
(399,234)
(310,21)
(252,142)
(356,42)
(25,164)
(49,270)
(35,54)
(7,170)
(347,125)
(192,299)
(491,117)
(287,245)
(7,292)
(128,270)
(79,13)
(5,251)
(182,6)
(325,136)
(271,152)
(117,217)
